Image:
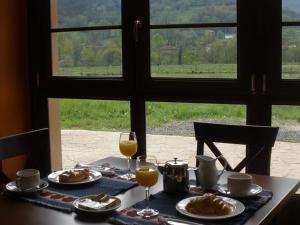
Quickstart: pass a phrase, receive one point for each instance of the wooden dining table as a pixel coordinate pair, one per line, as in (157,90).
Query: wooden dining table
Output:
(18,212)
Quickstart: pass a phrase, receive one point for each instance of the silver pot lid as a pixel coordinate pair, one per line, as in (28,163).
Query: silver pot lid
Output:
(177,163)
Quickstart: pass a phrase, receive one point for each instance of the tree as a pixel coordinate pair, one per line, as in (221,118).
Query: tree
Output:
(157,42)
(87,57)
(230,55)
(65,50)
(99,58)
(112,57)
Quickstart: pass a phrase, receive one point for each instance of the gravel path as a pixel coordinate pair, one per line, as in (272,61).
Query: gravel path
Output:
(287,132)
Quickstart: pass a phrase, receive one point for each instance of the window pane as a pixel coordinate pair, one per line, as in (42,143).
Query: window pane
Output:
(192,11)
(194,53)
(90,129)
(290,10)
(83,13)
(92,53)
(291,53)
(285,160)
(170,129)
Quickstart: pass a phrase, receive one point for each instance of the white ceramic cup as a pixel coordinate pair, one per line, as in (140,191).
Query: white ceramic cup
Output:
(239,184)
(27,179)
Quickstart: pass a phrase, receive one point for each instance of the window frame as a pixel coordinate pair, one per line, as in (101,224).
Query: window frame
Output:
(137,86)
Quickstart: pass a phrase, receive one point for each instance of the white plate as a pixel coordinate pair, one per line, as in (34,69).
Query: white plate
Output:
(11,186)
(94,176)
(255,189)
(81,204)
(237,208)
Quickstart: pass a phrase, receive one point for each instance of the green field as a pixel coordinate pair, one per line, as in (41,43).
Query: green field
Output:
(183,71)
(229,71)
(115,115)
(291,71)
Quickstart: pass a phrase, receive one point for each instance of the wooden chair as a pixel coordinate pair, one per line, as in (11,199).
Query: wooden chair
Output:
(34,144)
(259,141)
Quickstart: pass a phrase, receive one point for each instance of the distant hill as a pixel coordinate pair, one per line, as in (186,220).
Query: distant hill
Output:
(290,10)
(92,12)
(293,5)
(95,12)
(168,46)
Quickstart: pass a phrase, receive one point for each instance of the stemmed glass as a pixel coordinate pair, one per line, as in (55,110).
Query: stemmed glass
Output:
(147,175)
(128,147)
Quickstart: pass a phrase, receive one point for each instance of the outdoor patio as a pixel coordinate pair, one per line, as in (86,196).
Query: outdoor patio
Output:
(88,146)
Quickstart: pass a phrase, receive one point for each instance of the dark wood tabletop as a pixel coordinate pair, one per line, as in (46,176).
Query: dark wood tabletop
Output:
(17,212)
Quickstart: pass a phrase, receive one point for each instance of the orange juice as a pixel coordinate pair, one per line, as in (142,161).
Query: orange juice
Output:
(128,148)
(146,176)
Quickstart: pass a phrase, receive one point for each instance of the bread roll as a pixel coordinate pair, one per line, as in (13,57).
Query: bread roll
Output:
(208,204)
(76,175)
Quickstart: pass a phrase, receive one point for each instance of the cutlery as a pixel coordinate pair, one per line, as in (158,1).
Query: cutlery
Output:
(103,169)
(117,221)
(100,198)
(83,165)
(175,221)
(105,166)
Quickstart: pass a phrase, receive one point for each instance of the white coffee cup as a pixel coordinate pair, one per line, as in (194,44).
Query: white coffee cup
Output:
(239,184)
(27,179)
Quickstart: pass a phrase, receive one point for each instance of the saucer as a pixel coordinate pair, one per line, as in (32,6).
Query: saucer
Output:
(255,189)
(91,205)
(12,187)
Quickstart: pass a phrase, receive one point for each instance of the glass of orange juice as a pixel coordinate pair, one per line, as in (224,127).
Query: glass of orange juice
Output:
(146,174)
(128,147)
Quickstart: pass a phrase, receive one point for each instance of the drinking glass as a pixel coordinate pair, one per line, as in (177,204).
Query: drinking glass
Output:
(146,175)
(128,147)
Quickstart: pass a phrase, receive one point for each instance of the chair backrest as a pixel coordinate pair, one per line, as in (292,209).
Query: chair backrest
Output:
(259,141)
(35,144)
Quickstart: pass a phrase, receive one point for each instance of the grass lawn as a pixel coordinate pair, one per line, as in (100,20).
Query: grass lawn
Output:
(191,71)
(229,71)
(115,115)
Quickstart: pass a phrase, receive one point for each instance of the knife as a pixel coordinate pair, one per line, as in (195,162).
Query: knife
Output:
(118,221)
(104,170)
(175,221)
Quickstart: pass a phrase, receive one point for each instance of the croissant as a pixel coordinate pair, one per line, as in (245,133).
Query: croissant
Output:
(74,175)
(208,204)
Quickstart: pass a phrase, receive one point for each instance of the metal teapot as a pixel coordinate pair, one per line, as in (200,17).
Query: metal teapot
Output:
(176,176)
(207,174)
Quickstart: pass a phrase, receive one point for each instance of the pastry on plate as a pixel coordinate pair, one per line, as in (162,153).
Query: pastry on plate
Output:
(75,175)
(209,204)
